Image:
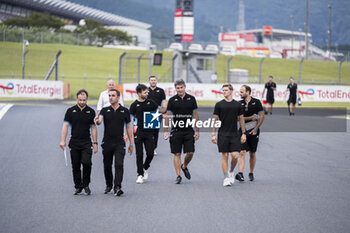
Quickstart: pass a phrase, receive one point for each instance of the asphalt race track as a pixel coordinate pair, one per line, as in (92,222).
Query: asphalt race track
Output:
(301,181)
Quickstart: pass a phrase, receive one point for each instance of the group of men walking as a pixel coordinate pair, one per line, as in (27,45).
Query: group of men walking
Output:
(291,91)
(232,139)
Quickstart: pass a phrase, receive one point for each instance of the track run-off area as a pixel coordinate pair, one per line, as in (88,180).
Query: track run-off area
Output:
(302,172)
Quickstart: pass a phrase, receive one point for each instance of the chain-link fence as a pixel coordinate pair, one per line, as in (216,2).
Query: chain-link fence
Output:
(41,35)
(135,66)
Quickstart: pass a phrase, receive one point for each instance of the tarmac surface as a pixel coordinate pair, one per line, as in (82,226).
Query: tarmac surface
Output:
(301,181)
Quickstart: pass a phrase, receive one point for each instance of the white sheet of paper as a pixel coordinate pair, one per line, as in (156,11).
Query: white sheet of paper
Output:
(65,156)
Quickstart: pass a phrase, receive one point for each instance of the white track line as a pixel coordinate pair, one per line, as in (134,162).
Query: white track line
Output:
(3,109)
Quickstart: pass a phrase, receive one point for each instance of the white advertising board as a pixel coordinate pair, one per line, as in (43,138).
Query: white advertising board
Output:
(308,93)
(14,88)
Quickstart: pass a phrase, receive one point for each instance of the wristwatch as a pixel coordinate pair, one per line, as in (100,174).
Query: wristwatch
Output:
(95,143)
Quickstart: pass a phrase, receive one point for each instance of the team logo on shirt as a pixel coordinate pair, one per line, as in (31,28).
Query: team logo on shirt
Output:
(152,120)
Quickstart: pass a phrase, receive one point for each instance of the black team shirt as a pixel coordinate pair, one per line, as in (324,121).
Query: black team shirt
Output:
(137,109)
(253,107)
(81,122)
(182,109)
(157,95)
(270,86)
(292,90)
(114,121)
(228,113)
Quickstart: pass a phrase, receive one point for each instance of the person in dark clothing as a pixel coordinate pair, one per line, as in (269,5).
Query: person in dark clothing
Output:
(270,86)
(143,136)
(156,94)
(114,117)
(183,107)
(81,119)
(254,117)
(292,88)
(229,112)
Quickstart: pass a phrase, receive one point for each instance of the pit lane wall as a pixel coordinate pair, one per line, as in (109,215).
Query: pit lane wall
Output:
(213,92)
(18,88)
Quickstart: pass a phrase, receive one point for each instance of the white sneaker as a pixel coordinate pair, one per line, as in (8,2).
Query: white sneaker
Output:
(227,181)
(145,174)
(155,152)
(139,180)
(231,176)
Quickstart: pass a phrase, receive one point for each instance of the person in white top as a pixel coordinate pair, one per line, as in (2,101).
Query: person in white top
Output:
(103,101)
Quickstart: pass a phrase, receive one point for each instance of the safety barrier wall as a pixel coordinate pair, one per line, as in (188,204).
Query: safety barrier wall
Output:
(213,92)
(17,88)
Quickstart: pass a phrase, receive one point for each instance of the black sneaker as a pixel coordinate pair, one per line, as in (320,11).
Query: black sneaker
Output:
(251,176)
(266,113)
(108,189)
(118,192)
(240,177)
(78,190)
(270,113)
(186,172)
(87,190)
(178,180)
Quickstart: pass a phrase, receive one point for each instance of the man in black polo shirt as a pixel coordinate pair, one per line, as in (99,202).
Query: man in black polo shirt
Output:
(292,88)
(270,86)
(254,117)
(114,118)
(143,136)
(156,94)
(182,137)
(228,111)
(81,118)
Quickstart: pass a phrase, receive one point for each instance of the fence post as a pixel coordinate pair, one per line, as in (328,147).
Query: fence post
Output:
(25,43)
(150,62)
(340,63)
(57,60)
(41,37)
(260,68)
(121,67)
(173,68)
(4,35)
(139,68)
(300,66)
(228,68)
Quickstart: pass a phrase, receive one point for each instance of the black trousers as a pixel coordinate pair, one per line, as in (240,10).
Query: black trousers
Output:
(81,156)
(144,138)
(116,151)
(155,137)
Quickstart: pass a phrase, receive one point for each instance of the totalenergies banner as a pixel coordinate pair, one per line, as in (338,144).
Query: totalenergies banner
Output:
(10,88)
(308,93)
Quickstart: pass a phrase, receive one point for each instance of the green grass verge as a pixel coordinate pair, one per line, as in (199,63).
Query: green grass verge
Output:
(98,65)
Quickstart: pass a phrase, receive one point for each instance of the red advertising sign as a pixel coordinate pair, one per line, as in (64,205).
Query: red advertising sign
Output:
(267,30)
(178,13)
(187,38)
